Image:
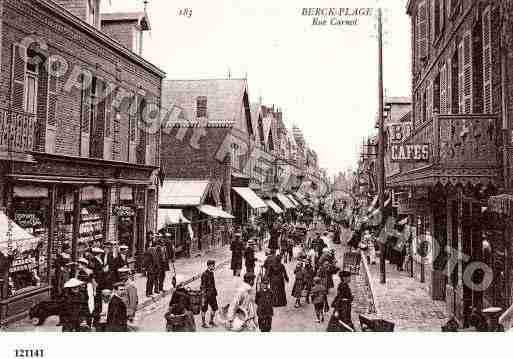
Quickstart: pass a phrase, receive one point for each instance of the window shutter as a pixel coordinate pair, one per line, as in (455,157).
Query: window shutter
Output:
(85,121)
(132,128)
(443,89)
(97,137)
(51,123)
(429,93)
(467,72)
(18,71)
(107,142)
(487,61)
(448,84)
(461,81)
(422,26)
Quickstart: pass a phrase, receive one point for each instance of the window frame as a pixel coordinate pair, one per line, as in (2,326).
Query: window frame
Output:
(31,74)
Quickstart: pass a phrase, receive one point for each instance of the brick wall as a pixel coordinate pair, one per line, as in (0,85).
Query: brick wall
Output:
(122,32)
(76,7)
(21,18)
(179,159)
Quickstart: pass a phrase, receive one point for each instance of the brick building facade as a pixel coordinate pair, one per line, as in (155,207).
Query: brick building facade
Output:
(79,165)
(457,110)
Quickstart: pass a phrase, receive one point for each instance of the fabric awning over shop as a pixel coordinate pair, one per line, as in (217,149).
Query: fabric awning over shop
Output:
(169,216)
(502,204)
(293,200)
(21,239)
(285,201)
(274,206)
(299,199)
(183,192)
(214,212)
(250,197)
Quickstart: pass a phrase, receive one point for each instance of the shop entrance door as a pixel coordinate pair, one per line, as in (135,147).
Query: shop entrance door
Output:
(472,250)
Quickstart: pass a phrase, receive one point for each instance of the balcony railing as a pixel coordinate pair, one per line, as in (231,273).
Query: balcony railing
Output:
(466,140)
(16,132)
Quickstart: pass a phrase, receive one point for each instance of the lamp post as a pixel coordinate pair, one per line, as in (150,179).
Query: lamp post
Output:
(381,143)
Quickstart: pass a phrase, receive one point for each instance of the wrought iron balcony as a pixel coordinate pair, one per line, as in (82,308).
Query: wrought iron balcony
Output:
(462,148)
(17,130)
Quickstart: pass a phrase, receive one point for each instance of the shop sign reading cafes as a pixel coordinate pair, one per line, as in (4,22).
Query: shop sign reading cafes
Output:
(401,152)
(410,152)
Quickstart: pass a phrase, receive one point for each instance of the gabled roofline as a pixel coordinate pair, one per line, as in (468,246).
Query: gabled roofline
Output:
(82,25)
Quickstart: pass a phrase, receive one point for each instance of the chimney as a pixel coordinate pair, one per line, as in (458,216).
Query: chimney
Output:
(85,10)
(127,29)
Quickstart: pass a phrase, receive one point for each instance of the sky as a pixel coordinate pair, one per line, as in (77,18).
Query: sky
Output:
(323,77)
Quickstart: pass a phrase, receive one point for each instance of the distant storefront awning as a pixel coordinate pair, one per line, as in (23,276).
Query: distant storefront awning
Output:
(300,199)
(293,200)
(274,206)
(501,204)
(170,216)
(250,197)
(285,201)
(183,192)
(21,239)
(214,212)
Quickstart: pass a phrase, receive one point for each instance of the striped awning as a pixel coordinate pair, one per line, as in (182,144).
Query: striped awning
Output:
(250,197)
(274,206)
(287,204)
(214,212)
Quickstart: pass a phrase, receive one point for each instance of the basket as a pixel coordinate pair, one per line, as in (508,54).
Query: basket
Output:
(195,297)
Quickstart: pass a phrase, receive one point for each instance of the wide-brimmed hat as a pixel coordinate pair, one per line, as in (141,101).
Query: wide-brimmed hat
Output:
(73,283)
(97,250)
(123,247)
(251,242)
(83,261)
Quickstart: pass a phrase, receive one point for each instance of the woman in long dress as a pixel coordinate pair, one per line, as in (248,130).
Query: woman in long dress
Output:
(278,276)
(341,318)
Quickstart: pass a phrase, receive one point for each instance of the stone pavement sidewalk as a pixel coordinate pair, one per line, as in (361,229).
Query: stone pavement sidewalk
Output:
(404,301)
(187,270)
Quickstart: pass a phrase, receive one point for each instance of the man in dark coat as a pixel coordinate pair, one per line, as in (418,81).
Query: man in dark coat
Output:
(152,267)
(74,310)
(98,267)
(265,310)
(275,233)
(237,248)
(164,264)
(249,257)
(341,318)
(110,314)
(208,294)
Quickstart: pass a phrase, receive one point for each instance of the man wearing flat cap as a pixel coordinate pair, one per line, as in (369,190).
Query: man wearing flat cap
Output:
(208,294)
(341,318)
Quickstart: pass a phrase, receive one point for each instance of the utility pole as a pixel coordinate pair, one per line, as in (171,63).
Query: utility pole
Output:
(381,144)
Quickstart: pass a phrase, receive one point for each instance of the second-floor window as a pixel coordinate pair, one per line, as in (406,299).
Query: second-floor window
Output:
(438,17)
(201,107)
(31,85)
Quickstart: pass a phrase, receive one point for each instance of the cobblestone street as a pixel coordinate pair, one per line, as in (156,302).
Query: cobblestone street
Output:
(404,301)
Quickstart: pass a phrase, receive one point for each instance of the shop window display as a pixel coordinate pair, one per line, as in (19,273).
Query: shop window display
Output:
(29,268)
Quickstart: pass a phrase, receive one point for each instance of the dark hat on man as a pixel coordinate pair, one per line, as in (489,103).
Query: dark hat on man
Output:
(249,276)
(211,262)
(117,285)
(344,274)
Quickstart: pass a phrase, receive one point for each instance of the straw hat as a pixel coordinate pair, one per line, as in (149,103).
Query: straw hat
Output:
(73,283)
